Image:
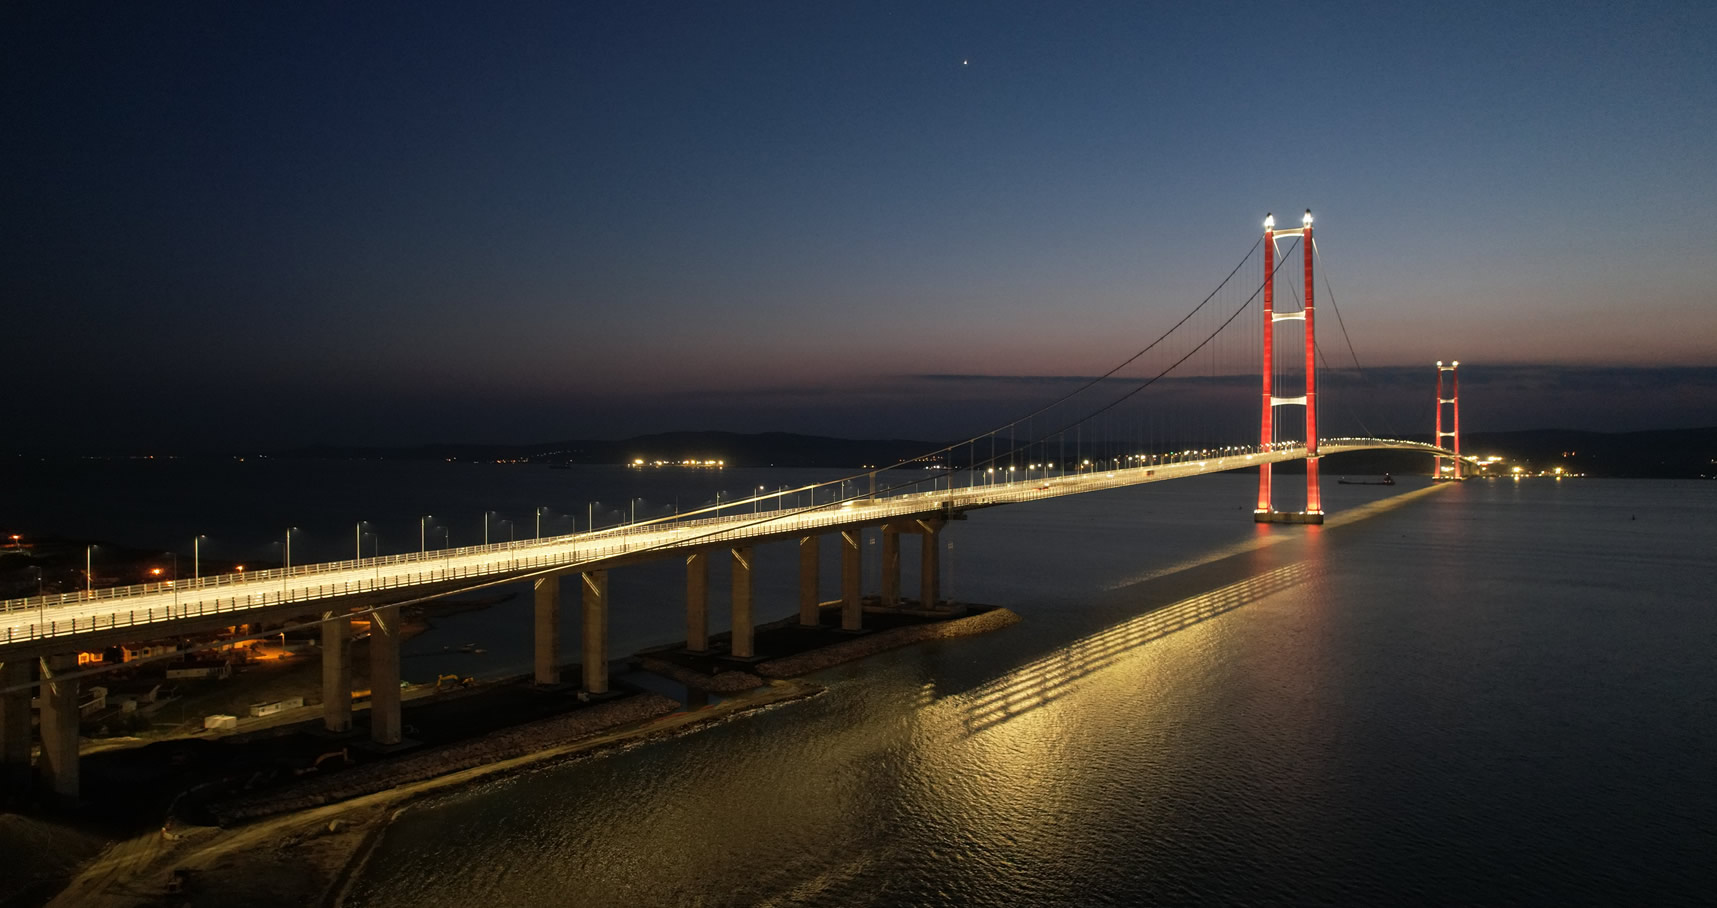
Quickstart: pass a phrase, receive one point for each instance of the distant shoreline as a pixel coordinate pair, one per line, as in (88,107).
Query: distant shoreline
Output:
(1645,454)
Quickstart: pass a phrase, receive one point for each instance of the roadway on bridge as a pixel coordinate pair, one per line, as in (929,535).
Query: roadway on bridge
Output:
(37,618)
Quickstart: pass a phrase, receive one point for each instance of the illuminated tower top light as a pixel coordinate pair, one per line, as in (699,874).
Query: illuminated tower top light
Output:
(1307,220)
(1269,222)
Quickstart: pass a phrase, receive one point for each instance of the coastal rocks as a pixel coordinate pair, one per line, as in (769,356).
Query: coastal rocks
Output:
(861,647)
(722,682)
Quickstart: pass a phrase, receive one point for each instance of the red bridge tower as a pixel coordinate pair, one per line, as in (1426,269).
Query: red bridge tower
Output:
(1453,401)
(1266,512)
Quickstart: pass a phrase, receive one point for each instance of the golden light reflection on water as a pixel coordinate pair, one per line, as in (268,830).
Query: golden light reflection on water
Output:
(1265,535)
(1003,730)
(998,777)
(1039,683)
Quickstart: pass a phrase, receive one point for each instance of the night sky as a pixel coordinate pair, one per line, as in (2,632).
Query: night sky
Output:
(262,225)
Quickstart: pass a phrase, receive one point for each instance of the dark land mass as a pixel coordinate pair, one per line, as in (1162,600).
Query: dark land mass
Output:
(777,449)
(1658,453)
(1655,454)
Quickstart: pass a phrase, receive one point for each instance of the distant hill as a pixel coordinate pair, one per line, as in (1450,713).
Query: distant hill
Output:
(781,449)
(1657,453)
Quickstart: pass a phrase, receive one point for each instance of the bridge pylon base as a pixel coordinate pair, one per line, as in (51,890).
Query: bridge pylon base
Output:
(1287,517)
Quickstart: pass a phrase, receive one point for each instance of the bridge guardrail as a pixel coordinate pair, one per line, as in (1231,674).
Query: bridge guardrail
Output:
(615,541)
(271,574)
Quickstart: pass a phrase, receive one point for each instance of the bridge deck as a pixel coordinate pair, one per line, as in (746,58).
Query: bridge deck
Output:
(371,581)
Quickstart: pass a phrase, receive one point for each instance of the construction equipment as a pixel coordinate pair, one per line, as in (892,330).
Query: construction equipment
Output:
(449,681)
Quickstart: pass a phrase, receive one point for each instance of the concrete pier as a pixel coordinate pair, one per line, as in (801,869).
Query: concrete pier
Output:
(336,672)
(545,637)
(891,566)
(384,676)
(810,580)
(595,635)
(852,563)
(15,728)
(59,760)
(697,602)
(743,628)
(930,563)
(1287,517)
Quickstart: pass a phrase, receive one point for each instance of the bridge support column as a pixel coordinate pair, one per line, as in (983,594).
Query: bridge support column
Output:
(1266,430)
(697,602)
(596,632)
(385,723)
(743,633)
(336,672)
(930,564)
(852,564)
(1265,512)
(545,630)
(1454,400)
(59,761)
(810,580)
(891,567)
(1314,497)
(15,724)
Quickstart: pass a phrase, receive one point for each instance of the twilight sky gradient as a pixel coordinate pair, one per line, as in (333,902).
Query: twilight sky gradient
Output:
(232,225)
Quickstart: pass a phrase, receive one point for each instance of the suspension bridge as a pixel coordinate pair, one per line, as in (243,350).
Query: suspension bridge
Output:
(1165,412)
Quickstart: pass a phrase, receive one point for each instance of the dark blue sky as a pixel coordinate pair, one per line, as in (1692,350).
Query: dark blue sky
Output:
(264,224)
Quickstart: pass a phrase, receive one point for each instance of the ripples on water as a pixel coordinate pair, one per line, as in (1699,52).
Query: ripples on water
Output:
(1493,693)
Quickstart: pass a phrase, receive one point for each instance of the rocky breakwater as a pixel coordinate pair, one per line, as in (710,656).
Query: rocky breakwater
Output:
(720,682)
(871,644)
(524,740)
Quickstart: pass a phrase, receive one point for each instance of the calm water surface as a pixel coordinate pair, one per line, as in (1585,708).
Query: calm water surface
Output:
(1497,693)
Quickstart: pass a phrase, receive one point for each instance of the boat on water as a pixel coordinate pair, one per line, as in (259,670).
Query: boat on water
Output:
(1387,480)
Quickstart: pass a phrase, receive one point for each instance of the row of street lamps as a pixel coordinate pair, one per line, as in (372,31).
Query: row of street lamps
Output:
(991,475)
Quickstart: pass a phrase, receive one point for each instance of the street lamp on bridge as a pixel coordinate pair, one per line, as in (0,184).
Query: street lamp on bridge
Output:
(174,581)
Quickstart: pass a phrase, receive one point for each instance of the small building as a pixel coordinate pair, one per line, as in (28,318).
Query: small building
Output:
(211,670)
(269,709)
(147,651)
(142,691)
